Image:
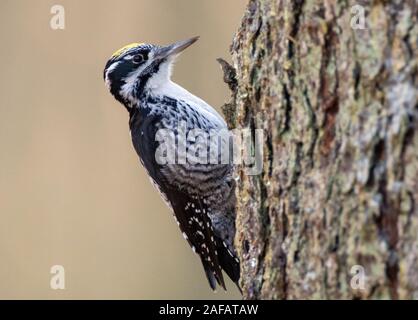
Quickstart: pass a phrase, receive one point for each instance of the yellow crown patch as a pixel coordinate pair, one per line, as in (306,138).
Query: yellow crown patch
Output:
(125,48)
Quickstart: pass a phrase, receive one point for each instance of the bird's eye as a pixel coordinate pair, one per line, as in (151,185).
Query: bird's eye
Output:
(138,58)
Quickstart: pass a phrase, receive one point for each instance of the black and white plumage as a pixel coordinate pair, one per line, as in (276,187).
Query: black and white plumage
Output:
(201,195)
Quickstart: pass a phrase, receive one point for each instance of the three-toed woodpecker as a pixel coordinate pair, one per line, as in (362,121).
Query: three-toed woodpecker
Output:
(200,194)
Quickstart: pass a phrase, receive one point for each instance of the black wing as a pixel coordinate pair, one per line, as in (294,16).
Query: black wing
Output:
(196,226)
(190,211)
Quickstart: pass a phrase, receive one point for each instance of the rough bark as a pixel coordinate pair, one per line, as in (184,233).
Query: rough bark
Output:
(339,186)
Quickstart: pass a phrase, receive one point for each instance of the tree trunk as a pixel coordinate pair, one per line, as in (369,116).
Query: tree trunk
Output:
(337,198)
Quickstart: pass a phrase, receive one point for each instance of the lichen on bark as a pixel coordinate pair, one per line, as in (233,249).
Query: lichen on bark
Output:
(339,110)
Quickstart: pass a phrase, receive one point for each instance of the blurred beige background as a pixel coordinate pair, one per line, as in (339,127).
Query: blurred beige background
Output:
(72,191)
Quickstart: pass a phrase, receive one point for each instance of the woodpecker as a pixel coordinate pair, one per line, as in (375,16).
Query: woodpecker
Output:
(200,195)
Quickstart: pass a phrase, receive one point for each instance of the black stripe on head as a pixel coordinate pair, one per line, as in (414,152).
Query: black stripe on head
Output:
(152,69)
(143,50)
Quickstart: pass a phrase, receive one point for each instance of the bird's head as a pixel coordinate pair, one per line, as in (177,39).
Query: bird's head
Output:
(138,67)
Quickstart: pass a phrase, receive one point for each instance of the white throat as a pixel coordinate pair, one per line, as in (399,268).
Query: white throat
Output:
(161,85)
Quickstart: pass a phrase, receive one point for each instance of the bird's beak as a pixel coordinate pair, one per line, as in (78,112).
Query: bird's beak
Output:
(174,49)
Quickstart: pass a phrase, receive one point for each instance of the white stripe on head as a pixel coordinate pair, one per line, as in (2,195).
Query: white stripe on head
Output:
(110,69)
